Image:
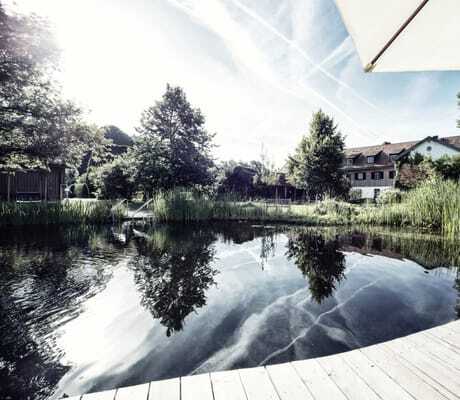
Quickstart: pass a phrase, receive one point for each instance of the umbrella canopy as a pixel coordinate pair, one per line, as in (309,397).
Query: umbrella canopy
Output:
(404,35)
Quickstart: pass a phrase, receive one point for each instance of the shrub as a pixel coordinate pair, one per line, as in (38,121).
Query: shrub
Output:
(355,194)
(117,178)
(390,196)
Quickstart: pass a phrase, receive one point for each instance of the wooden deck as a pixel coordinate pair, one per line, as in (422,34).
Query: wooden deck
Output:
(424,366)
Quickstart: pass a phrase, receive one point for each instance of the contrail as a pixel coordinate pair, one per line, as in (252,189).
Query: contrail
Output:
(316,322)
(296,47)
(360,129)
(338,51)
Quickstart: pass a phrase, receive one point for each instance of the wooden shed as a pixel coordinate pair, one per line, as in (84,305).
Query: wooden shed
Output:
(33,185)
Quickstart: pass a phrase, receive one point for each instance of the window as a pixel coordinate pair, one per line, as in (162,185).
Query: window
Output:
(428,148)
(360,176)
(393,157)
(376,193)
(391,174)
(370,159)
(350,161)
(377,175)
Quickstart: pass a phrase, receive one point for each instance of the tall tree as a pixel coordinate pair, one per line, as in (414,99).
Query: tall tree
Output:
(315,166)
(37,126)
(174,148)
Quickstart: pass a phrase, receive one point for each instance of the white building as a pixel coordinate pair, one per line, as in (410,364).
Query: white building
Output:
(372,170)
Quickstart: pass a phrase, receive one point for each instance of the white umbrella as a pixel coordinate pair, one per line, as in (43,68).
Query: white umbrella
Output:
(404,35)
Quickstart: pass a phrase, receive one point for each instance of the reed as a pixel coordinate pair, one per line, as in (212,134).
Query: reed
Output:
(186,206)
(66,212)
(434,206)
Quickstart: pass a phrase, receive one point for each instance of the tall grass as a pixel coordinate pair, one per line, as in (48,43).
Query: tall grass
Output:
(434,205)
(66,212)
(186,206)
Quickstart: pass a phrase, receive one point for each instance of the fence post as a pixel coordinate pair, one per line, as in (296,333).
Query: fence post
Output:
(46,188)
(8,192)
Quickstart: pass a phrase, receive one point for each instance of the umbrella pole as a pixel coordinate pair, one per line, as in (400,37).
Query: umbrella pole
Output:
(371,65)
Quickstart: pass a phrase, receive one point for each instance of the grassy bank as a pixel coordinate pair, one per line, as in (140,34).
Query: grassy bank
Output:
(180,206)
(434,206)
(66,212)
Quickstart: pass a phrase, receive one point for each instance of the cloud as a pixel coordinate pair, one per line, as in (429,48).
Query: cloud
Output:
(256,69)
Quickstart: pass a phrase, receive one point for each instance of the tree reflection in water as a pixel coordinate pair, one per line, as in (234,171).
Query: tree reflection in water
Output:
(173,272)
(320,261)
(267,247)
(39,290)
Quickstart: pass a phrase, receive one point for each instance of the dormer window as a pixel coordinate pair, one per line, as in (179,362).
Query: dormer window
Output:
(370,159)
(350,161)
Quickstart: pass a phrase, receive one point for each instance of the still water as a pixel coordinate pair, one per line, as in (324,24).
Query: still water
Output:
(87,309)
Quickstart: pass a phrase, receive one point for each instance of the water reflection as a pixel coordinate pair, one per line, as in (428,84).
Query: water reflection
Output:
(39,291)
(172,271)
(319,259)
(201,298)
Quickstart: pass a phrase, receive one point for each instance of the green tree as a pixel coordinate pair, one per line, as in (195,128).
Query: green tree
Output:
(315,166)
(174,148)
(118,178)
(37,126)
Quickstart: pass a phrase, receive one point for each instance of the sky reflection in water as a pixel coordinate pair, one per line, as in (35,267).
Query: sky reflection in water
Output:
(84,310)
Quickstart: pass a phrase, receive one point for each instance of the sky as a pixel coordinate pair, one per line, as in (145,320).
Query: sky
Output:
(256,69)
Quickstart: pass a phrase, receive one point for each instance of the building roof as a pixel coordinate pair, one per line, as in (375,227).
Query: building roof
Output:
(397,148)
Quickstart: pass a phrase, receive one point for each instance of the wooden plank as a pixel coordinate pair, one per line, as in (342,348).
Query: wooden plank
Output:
(136,392)
(432,382)
(226,385)
(105,395)
(454,326)
(317,380)
(435,348)
(428,366)
(452,349)
(168,389)
(194,387)
(381,383)
(287,382)
(346,379)
(257,384)
(401,374)
(446,335)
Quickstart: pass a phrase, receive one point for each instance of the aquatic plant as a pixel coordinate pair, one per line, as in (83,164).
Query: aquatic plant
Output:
(433,205)
(65,212)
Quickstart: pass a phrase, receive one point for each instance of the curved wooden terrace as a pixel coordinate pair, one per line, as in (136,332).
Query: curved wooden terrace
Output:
(424,365)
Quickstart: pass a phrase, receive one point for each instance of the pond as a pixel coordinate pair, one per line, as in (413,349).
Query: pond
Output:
(87,309)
